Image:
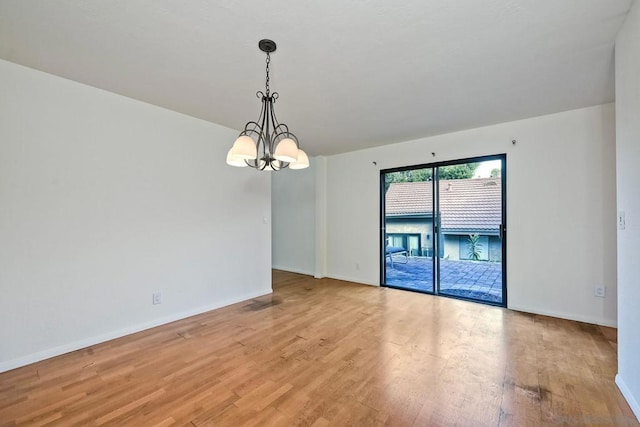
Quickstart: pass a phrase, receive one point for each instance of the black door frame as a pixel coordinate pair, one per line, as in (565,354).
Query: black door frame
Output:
(436,221)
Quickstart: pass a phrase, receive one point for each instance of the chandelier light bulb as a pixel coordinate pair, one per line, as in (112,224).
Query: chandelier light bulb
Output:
(244,148)
(302,162)
(233,160)
(286,151)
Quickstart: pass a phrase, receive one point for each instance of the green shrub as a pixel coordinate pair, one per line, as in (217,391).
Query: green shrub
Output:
(474,246)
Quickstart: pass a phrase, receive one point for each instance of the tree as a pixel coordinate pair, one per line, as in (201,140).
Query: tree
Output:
(496,173)
(463,171)
(414,175)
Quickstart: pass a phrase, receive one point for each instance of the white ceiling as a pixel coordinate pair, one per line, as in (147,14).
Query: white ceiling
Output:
(351,74)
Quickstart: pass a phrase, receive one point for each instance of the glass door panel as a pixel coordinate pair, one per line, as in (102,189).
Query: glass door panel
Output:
(408,229)
(470,231)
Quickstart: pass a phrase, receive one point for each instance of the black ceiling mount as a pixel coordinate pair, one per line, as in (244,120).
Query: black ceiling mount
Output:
(267,45)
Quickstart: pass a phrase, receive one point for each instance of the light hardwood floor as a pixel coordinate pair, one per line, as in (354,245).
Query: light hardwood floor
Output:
(326,352)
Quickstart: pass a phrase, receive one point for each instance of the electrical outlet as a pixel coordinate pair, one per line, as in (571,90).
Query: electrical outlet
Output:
(157,298)
(621,220)
(599,291)
(357,266)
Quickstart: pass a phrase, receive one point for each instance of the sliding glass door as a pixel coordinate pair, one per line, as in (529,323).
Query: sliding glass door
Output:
(408,225)
(443,229)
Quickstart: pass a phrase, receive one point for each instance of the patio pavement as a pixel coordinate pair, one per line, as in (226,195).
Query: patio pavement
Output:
(480,280)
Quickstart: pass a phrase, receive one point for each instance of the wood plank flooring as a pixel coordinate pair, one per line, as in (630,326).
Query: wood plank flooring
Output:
(326,352)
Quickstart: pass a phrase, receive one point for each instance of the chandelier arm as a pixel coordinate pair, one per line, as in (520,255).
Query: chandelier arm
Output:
(275,125)
(257,129)
(274,118)
(248,130)
(280,130)
(263,109)
(283,131)
(265,128)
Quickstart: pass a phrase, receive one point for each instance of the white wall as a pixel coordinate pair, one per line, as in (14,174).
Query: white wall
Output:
(628,183)
(293,196)
(105,200)
(561,208)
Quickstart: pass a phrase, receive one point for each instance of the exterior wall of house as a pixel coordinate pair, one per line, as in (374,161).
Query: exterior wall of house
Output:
(495,249)
(451,247)
(420,226)
(105,200)
(628,177)
(456,247)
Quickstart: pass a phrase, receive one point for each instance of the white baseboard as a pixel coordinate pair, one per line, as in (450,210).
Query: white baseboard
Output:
(293,270)
(87,342)
(351,279)
(568,316)
(631,400)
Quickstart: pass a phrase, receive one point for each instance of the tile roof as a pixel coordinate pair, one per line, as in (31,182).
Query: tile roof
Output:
(465,204)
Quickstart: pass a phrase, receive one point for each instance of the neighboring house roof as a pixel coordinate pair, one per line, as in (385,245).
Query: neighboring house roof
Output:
(465,204)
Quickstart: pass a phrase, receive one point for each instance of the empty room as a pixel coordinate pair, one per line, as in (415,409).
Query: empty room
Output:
(220,213)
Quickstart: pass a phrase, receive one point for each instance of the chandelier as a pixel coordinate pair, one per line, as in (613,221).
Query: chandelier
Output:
(266,144)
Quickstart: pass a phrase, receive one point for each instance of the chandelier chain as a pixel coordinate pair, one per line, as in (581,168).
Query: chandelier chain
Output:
(267,82)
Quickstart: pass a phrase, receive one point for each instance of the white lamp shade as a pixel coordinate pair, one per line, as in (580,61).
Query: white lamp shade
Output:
(244,148)
(302,162)
(286,151)
(232,160)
